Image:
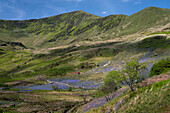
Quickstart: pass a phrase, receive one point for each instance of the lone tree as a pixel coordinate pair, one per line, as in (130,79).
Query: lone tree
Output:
(131,73)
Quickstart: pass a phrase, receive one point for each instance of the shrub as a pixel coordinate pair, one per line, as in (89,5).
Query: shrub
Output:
(160,67)
(70,89)
(110,84)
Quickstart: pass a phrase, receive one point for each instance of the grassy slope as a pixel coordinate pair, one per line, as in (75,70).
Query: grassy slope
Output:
(80,26)
(21,63)
(147,18)
(154,98)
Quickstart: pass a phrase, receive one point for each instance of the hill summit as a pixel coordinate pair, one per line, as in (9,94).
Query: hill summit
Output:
(79,26)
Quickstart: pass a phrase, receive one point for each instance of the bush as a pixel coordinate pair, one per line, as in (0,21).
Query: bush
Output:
(70,89)
(110,84)
(160,67)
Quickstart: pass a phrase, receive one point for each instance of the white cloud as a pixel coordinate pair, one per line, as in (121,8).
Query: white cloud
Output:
(74,0)
(104,12)
(79,0)
(125,0)
(137,2)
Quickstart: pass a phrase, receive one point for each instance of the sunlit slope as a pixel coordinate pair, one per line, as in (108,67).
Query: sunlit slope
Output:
(148,18)
(78,26)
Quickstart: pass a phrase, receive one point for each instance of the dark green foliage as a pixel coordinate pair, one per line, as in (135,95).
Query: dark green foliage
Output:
(110,83)
(70,89)
(1,110)
(160,67)
(129,74)
(60,70)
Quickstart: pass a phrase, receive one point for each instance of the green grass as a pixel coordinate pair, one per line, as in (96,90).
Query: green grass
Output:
(164,32)
(154,98)
(60,70)
(149,99)
(80,26)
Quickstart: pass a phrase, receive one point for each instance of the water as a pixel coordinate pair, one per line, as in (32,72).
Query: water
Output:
(41,87)
(146,57)
(108,69)
(63,84)
(77,83)
(104,63)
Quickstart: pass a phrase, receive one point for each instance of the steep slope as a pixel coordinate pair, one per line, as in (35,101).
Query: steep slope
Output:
(78,26)
(147,18)
(55,27)
(152,97)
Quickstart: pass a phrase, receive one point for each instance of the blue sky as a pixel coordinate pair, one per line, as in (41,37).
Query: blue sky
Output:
(34,9)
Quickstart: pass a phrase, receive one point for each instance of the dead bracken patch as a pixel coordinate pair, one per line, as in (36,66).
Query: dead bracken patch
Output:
(152,80)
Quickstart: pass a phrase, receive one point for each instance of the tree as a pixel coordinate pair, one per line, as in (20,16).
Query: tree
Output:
(110,82)
(131,73)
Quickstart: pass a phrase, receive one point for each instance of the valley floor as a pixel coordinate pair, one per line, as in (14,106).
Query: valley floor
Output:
(28,80)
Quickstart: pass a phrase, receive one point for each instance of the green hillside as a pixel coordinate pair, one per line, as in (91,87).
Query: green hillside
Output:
(59,63)
(74,27)
(147,18)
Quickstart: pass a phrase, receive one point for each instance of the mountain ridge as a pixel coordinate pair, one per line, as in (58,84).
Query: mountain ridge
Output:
(77,26)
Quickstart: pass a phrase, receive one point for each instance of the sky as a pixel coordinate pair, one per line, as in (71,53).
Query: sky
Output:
(35,9)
